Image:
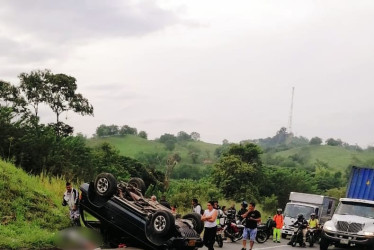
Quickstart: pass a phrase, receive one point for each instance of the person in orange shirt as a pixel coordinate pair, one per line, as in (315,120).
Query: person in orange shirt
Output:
(278,219)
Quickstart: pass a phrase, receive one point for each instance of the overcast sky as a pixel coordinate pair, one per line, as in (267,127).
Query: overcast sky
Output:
(224,69)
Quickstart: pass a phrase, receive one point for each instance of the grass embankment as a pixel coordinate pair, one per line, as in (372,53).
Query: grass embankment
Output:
(338,158)
(132,146)
(31,211)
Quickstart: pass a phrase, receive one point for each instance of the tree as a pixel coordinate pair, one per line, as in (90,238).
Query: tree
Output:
(333,142)
(195,136)
(35,87)
(61,96)
(315,141)
(249,153)
(235,178)
(143,134)
(102,130)
(127,130)
(183,136)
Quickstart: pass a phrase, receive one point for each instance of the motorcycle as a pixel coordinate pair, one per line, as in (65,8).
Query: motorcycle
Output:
(312,236)
(263,233)
(297,237)
(219,235)
(233,229)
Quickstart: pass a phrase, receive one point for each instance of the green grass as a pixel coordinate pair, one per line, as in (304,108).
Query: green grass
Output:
(338,158)
(31,211)
(132,146)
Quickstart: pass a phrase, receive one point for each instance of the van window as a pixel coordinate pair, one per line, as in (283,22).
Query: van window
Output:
(329,207)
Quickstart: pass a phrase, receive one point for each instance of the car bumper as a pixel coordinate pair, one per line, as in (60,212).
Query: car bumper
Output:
(341,239)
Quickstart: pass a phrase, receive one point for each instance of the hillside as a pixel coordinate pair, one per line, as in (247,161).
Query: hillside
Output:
(132,146)
(338,158)
(31,211)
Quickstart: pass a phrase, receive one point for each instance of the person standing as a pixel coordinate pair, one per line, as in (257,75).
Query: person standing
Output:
(210,226)
(252,218)
(196,207)
(278,219)
(71,198)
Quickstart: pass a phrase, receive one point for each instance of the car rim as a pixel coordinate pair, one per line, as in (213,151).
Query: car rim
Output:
(102,185)
(160,223)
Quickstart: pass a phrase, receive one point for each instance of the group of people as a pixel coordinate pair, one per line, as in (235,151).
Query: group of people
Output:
(312,223)
(209,217)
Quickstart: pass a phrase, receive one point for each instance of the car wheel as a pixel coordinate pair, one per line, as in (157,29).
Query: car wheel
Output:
(198,225)
(161,222)
(105,185)
(138,183)
(261,237)
(324,244)
(284,236)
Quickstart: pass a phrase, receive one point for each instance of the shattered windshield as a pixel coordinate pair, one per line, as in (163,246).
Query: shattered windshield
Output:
(354,208)
(292,210)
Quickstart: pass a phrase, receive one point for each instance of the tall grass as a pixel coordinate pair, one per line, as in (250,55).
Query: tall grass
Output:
(31,211)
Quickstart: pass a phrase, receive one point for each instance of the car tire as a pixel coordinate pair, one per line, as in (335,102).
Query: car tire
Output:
(198,225)
(324,244)
(161,222)
(138,183)
(284,236)
(105,185)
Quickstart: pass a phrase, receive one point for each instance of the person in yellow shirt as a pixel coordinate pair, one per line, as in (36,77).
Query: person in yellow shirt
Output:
(313,222)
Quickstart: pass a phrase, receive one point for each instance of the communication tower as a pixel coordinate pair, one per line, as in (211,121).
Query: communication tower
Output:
(291,111)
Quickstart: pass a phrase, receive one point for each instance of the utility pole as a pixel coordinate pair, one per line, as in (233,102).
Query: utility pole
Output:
(291,111)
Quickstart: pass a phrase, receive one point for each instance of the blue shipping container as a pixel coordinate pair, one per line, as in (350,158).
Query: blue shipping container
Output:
(361,183)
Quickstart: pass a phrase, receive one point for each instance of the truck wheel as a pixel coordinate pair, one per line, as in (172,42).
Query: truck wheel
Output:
(161,222)
(324,244)
(105,185)
(138,183)
(198,225)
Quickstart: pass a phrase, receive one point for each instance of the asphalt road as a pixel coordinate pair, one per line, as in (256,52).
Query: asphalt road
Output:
(268,245)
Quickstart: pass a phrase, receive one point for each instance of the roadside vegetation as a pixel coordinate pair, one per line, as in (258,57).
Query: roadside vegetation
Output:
(39,158)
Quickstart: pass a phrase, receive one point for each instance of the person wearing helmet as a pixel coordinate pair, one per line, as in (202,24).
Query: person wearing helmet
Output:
(242,210)
(278,219)
(303,223)
(313,222)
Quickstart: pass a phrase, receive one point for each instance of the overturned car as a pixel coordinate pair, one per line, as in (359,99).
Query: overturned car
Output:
(120,212)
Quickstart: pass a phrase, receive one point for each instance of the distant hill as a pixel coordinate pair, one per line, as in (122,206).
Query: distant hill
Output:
(132,146)
(31,211)
(338,158)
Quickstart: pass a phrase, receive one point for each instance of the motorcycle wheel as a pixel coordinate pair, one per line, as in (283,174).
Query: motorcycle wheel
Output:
(219,240)
(261,237)
(293,244)
(311,240)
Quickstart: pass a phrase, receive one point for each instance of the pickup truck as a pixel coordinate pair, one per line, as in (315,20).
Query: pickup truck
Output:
(120,212)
